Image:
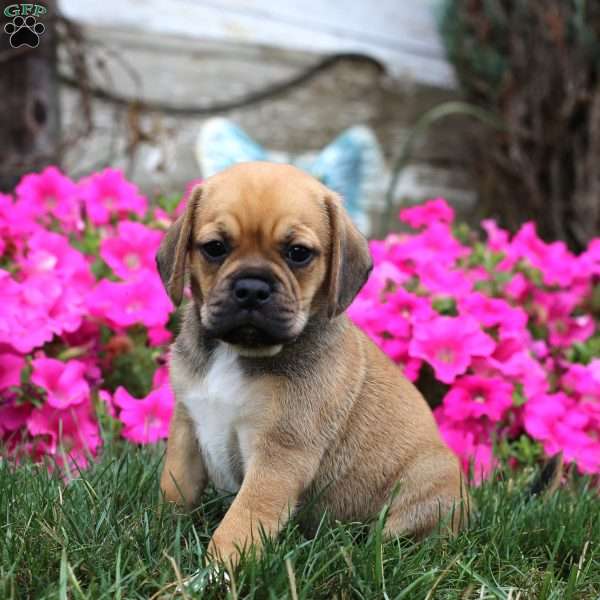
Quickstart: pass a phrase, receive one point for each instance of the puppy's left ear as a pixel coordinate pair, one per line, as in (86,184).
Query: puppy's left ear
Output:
(349,259)
(173,250)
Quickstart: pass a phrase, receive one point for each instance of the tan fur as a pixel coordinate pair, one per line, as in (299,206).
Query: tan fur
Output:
(338,428)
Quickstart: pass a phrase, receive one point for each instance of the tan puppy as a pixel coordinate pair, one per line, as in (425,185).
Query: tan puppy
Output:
(279,397)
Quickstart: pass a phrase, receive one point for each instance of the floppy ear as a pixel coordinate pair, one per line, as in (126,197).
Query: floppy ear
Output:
(172,253)
(349,261)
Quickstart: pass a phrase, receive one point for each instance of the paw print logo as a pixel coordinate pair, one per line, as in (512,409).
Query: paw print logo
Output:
(24,31)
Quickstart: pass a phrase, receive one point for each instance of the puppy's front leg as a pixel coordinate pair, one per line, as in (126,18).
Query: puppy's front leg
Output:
(184,475)
(268,496)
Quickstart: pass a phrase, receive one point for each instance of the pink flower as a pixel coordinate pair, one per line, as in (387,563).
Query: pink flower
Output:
(441,280)
(563,425)
(16,222)
(147,420)
(159,336)
(23,322)
(13,417)
(161,376)
(476,396)
(583,380)
(10,370)
(106,398)
(518,287)
(424,214)
(435,244)
(556,309)
(471,441)
(497,238)
(590,259)
(493,311)
(51,192)
(557,264)
(142,301)
(108,194)
(50,252)
(72,432)
(384,277)
(397,350)
(448,344)
(132,250)
(63,381)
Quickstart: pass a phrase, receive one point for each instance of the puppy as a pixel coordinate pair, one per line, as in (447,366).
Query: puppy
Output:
(279,397)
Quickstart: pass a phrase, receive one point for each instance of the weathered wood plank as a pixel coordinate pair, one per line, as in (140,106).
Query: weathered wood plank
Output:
(178,69)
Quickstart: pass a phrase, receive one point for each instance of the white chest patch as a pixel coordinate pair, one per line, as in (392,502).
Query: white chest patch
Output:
(226,410)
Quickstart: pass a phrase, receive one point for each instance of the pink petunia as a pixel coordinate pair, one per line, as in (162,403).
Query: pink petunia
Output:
(428,212)
(441,280)
(64,382)
(498,238)
(563,425)
(557,264)
(132,250)
(143,301)
(23,322)
(51,193)
(161,376)
(17,222)
(493,311)
(435,244)
(108,194)
(584,381)
(13,416)
(476,396)
(518,287)
(557,311)
(107,399)
(159,336)
(10,370)
(73,433)
(449,344)
(147,420)
(50,252)
(471,441)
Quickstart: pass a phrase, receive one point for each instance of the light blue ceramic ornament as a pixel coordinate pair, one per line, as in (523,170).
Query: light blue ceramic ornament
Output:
(352,164)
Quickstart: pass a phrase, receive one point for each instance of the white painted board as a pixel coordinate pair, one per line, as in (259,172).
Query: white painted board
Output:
(402,34)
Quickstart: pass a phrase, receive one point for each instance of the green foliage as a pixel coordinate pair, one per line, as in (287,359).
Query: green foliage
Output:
(105,536)
(135,368)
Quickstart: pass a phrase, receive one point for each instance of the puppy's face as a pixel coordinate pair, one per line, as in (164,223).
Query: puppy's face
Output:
(266,247)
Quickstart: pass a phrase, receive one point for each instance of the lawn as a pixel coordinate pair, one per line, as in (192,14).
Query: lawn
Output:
(106,535)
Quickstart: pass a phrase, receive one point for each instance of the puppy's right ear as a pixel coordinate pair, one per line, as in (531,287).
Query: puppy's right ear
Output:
(173,250)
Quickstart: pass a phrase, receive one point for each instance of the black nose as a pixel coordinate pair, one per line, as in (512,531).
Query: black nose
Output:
(250,292)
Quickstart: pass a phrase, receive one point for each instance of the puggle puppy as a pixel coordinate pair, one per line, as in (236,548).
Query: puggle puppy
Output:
(279,397)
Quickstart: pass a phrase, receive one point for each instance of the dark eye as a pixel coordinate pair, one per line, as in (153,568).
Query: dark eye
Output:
(298,255)
(214,250)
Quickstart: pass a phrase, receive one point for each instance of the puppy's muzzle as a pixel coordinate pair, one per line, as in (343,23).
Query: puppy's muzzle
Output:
(251,292)
(252,309)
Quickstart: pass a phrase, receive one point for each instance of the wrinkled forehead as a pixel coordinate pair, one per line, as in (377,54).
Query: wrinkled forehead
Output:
(268,208)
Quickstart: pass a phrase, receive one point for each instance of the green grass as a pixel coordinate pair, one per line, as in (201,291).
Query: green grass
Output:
(106,535)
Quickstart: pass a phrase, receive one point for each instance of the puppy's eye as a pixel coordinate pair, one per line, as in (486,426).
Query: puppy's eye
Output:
(215,250)
(298,256)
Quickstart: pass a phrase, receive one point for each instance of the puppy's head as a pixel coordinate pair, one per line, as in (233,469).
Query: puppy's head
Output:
(266,247)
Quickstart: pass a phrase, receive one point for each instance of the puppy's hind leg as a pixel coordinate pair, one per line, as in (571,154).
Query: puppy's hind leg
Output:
(184,474)
(429,500)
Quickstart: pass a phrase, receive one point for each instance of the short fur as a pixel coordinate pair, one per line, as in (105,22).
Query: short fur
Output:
(303,410)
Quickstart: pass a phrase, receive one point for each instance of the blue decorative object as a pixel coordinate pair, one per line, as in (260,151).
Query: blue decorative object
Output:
(352,164)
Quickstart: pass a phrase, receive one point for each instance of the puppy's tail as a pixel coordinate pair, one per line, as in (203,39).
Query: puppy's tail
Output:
(548,479)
